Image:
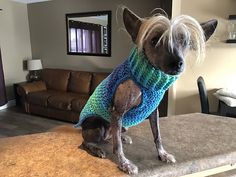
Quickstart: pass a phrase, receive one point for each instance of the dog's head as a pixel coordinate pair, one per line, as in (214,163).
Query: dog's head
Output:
(165,42)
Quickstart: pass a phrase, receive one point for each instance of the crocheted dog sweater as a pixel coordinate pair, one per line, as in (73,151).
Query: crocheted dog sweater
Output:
(152,82)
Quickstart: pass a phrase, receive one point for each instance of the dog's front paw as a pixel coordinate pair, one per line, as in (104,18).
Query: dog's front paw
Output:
(126,139)
(166,157)
(101,154)
(128,167)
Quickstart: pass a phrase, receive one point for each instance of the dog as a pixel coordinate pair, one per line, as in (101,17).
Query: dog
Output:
(133,91)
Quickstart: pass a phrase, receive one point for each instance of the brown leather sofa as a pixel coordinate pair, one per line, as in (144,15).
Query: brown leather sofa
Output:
(61,94)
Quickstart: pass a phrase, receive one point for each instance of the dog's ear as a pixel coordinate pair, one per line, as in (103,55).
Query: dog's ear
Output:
(132,23)
(209,28)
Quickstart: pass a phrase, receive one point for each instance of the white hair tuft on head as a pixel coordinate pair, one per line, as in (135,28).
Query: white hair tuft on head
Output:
(181,30)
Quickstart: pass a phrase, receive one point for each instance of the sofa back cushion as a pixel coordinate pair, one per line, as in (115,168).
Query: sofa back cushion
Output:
(97,78)
(80,82)
(56,79)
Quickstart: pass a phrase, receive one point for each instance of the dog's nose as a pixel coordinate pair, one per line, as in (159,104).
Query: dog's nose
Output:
(179,64)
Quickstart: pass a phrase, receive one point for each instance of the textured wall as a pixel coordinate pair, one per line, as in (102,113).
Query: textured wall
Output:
(48,32)
(14,42)
(218,68)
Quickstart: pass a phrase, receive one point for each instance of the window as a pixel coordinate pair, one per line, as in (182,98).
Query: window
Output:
(89,33)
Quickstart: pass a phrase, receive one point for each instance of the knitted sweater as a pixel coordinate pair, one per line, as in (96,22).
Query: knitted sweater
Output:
(152,82)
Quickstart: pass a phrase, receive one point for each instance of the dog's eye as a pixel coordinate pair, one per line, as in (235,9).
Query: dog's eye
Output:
(183,41)
(154,41)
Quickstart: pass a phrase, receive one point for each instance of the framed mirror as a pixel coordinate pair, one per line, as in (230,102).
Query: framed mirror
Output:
(89,33)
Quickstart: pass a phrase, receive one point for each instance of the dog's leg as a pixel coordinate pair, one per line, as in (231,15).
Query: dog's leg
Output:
(126,97)
(154,122)
(124,164)
(94,149)
(95,131)
(126,139)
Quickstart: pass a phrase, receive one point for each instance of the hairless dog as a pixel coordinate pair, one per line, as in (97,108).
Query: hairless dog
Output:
(133,91)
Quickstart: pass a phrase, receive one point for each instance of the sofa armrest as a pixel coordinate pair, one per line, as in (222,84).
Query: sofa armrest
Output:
(24,89)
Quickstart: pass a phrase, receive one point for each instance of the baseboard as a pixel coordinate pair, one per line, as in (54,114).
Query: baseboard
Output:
(9,104)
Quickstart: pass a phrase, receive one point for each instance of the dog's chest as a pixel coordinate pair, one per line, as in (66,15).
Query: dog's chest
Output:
(150,101)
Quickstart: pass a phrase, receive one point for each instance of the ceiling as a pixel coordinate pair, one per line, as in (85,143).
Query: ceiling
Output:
(29,1)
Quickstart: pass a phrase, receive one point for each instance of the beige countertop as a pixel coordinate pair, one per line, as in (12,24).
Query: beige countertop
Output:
(198,141)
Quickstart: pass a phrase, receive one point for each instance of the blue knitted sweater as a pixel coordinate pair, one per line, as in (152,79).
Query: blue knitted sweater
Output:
(152,82)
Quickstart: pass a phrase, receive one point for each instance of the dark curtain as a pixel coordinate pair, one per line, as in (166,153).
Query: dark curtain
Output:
(3,97)
(85,37)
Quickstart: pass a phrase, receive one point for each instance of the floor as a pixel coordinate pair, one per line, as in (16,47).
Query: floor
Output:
(14,122)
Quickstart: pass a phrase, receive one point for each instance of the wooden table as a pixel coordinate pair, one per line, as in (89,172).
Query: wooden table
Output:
(199,142)
(17,96)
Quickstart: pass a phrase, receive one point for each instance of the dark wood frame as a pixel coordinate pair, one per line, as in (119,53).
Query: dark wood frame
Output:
(84,14)
(166,5)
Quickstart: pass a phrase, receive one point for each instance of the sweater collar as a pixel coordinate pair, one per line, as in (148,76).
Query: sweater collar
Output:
(146,74)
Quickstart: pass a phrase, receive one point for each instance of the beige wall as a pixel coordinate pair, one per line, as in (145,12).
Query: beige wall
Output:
(48,32)
(218,68)
(14,42)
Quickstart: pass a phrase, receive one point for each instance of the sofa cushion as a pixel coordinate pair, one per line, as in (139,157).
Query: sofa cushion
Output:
(79,82)
(78,104)
(62,101)
(97,78)
(56,79)
(40,98)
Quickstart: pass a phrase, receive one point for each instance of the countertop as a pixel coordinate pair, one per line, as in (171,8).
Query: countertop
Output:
(198,142)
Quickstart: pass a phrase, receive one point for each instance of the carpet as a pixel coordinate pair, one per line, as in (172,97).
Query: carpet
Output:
(51,154)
